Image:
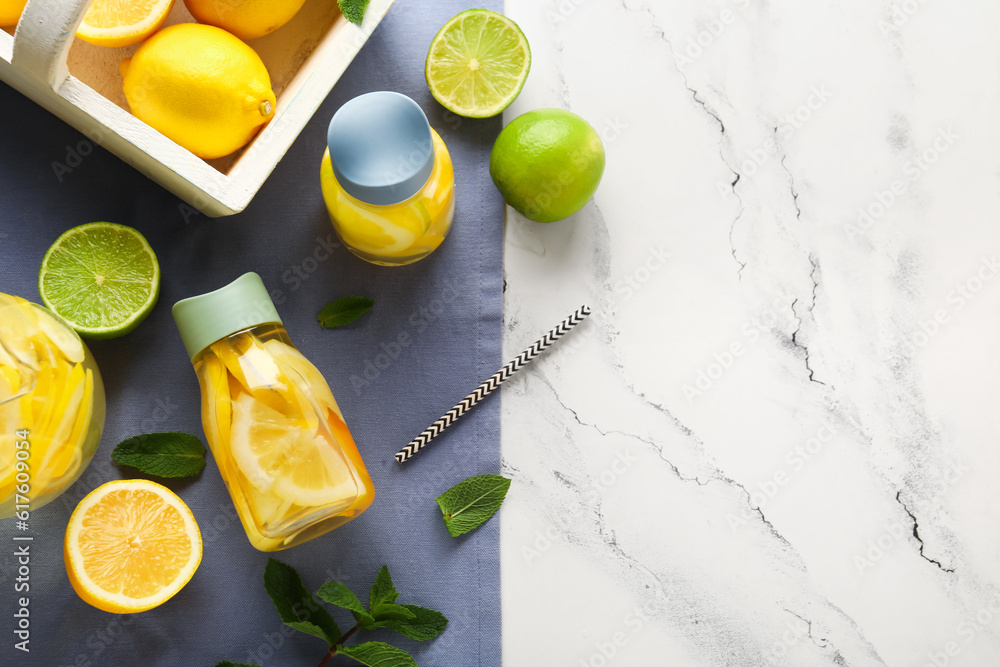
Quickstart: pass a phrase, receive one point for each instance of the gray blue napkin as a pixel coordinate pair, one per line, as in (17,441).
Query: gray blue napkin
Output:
(449,305)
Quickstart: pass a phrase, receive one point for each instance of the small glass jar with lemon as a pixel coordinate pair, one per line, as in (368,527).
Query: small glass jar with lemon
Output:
(387,179)
(51,406)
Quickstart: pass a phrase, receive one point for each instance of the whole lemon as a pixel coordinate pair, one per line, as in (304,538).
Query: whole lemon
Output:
(247,19)
(201,87)
(10,11)
(547,164)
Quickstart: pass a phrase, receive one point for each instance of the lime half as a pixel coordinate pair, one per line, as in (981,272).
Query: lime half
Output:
(102,278)
(478,63)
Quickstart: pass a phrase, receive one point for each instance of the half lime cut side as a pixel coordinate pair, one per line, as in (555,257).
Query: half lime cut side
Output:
(102,278)
(478,63)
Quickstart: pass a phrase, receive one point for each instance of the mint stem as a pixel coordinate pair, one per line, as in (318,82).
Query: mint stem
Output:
(333,649)
(347,635)
(326,658)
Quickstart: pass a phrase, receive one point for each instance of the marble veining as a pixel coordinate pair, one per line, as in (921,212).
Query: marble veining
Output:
(776,441)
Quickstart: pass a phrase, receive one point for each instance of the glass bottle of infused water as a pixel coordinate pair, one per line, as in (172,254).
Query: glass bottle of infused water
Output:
(274,428)
(387,179)
(51,406)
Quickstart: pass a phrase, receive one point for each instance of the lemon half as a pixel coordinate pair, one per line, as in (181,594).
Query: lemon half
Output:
(130,546)
(121,23)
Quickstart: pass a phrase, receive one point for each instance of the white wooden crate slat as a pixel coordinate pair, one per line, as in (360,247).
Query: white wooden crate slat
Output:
(34,61)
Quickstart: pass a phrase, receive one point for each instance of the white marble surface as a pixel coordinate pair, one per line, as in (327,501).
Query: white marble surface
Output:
(827,494)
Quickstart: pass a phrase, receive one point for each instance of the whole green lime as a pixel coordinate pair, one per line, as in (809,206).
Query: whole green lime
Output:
(547,164)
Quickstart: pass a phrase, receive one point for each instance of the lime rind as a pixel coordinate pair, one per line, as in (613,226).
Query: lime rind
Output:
(502,56)
(547,164)
(102,278)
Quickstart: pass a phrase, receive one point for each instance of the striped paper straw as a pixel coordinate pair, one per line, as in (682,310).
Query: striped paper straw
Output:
(498,378)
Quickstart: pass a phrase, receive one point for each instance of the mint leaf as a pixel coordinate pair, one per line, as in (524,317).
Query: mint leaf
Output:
(394,611)
(162,454)
(383,592)
(338,594)
(295,606)
(377,654)
(470,503)
(343,311)
(353,10)
(425,624)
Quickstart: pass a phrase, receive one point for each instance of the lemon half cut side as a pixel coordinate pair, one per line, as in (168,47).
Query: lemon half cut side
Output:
(130,546)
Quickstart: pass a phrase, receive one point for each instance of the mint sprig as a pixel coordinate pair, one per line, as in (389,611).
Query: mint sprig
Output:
(470,503)
(343,311)
(162,454)
(353,10)
(298,609)
(295,606)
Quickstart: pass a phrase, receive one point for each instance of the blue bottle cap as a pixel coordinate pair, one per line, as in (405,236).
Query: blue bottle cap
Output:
(381,148)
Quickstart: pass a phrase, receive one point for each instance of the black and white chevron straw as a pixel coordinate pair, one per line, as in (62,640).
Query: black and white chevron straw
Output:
(492,383)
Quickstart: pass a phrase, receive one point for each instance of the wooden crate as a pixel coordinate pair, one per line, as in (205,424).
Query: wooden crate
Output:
(81,84)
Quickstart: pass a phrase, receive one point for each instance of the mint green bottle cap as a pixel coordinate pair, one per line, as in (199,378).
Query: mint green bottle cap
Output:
(241,304)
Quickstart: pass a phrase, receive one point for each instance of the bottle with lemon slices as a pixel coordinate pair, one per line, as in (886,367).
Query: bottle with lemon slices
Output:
(274,427)
(387,179)
(51,406)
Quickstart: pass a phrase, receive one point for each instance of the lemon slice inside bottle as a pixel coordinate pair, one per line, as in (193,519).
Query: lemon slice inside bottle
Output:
(8,421)
(300,369)
(216,400)
(281,458)
(58,335)
(17,347)
(256,372)
(371,232)
(41,364)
